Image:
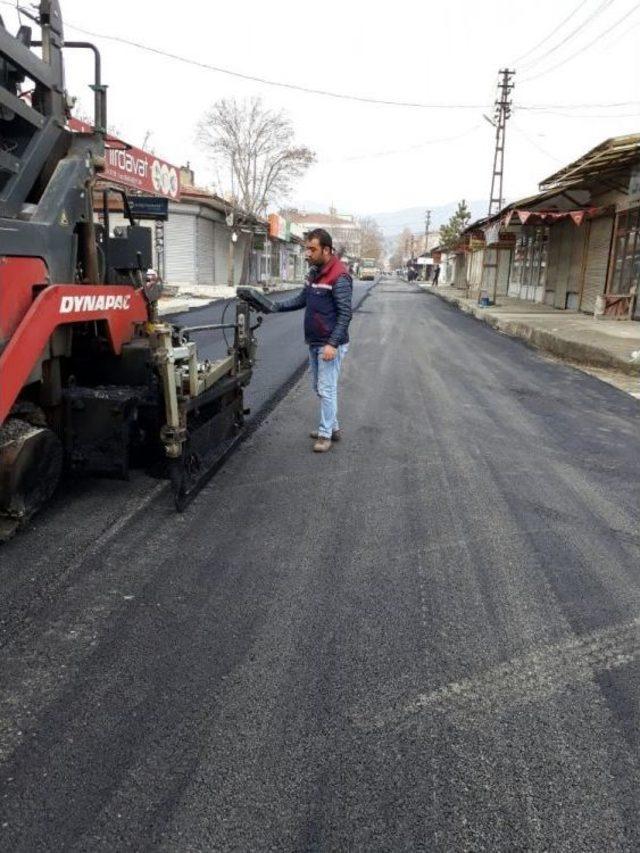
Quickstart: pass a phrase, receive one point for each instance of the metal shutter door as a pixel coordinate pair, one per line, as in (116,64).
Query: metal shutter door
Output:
(504,266)
(221,237)
(557,264)
(205,251)
(180,242)
(597,264)
(576,262)
(475,269)
(571,247)
(489,270)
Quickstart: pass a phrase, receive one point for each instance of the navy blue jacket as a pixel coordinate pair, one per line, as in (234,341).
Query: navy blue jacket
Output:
(326,298)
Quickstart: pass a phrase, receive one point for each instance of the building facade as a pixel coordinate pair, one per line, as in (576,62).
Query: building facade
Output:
(206,242)
(344,229)
(574,246)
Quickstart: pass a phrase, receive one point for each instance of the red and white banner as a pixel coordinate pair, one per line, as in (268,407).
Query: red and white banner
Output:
(577,216)
(133,167)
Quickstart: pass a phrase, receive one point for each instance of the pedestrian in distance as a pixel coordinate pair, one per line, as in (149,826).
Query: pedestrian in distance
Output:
(326,298)
(436,274)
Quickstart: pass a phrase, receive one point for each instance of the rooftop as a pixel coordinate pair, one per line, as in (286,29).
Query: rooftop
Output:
(211,199)
(322,218)
(610,157)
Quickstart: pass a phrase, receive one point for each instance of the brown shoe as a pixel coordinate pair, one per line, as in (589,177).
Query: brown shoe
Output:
(322,445)
(336,435)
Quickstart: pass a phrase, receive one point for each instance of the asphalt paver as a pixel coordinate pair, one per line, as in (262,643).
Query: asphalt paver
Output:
(426,639)
(86,512)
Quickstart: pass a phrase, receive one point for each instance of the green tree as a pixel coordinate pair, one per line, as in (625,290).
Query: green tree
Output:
(450,233)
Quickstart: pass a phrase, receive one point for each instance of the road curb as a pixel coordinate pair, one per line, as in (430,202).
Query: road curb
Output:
(574,351)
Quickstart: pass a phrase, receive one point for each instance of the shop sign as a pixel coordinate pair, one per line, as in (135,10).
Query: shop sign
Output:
(278,227)
(149,207)
(133,167)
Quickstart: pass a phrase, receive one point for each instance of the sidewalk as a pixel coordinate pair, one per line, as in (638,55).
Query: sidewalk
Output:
(183,298)
(570,335)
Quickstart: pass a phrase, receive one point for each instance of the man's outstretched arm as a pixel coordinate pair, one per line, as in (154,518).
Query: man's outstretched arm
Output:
(294,303)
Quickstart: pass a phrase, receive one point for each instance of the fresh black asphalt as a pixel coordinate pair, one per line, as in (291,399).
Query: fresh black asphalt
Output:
(426,639)
(85,511)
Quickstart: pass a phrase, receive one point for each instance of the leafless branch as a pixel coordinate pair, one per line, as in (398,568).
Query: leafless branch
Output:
(256,147)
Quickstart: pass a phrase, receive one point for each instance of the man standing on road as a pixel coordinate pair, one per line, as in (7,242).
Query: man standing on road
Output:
(326,298)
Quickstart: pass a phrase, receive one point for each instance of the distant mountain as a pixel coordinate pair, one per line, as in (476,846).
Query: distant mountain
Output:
(393,222)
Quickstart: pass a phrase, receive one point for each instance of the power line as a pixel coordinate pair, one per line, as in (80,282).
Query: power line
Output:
(544,107)
(535,144)
(585,47)
(295,87)
(608,116)
(551,34)
(307,90)
(596,12)
(339,95)
(408,149)
(263,80)
(278,83)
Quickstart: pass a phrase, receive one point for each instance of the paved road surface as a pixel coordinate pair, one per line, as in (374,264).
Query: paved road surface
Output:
(427,639)
(85,511)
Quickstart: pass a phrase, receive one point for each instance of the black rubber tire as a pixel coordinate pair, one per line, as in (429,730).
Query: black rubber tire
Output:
(31,461)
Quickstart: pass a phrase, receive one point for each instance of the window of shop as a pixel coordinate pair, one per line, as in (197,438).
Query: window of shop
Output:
(626,266)
(530,261)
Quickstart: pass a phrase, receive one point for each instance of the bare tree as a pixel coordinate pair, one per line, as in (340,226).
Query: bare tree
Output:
(403,248)
(256,146)
(371,238)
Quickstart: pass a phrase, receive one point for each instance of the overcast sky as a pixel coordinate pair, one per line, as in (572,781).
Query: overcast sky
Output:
(374,157)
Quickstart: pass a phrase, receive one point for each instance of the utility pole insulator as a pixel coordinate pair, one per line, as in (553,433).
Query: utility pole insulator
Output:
(502,113)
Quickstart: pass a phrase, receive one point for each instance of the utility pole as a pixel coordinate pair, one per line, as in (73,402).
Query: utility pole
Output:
(427,223)
(502,113)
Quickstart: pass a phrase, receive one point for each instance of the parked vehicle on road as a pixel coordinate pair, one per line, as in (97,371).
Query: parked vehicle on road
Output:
(368,270)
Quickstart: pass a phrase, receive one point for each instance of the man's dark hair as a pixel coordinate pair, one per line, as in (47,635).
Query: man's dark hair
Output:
(323,237)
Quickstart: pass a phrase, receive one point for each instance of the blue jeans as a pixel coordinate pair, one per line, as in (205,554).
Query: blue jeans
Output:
(324,381)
